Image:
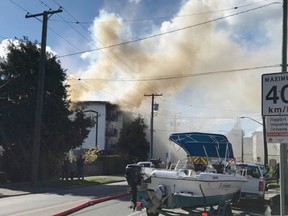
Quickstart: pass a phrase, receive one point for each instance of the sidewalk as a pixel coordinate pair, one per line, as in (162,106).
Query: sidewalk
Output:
(274,199)
(19,189)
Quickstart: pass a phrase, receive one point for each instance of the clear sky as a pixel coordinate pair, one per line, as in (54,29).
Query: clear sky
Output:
(206,57)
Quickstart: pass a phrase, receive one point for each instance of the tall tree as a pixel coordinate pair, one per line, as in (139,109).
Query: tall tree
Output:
(133,140)
(18,88)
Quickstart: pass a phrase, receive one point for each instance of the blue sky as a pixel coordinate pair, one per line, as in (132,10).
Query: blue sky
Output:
(206,57)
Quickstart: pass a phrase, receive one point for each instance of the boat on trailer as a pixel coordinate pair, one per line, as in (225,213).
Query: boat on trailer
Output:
(190,185)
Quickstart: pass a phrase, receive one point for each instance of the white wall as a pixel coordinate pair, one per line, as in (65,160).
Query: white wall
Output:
(89,142)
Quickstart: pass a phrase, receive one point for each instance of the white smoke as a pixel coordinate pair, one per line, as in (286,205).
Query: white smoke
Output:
(244,39)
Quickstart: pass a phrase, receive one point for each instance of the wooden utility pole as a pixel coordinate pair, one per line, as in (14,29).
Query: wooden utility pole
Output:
(40,92)
(151,123)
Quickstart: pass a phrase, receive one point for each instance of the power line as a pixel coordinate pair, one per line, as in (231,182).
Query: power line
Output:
(117,57)
(46,5)
(164,17)
(165,33)
(181,76)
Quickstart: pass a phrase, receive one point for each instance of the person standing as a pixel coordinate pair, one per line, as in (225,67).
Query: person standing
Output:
(80,167)
(65,169)
(276,173)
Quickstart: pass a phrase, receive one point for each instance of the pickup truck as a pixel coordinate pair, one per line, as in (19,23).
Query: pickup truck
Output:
(254,188)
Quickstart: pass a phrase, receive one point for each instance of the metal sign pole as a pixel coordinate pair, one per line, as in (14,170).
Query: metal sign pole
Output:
(283,146)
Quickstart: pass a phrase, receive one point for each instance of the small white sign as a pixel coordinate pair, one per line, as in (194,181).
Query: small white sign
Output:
(277,129)
(275,94)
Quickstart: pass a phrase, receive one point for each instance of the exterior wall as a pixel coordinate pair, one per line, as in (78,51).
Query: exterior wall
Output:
(114,124)
(274,151)
(258,148)
(259,143)
(110,124)
(235,137)
(248,148)
(90,141)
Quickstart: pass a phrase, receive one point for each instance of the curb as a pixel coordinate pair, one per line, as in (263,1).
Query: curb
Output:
(90,203)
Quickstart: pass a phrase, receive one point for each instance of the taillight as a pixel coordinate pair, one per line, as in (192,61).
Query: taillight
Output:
(204,214)
(261,186)
(138,204)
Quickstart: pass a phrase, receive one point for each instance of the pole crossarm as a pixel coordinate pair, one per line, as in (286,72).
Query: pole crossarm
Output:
(28,15)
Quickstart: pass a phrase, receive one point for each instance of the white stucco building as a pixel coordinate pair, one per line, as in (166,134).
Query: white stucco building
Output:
(252,145)
(109,122)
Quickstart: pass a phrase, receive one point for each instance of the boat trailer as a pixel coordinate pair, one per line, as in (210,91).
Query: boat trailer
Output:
(134,178)
(220,210)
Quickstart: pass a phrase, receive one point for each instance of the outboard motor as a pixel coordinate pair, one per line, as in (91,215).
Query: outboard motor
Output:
(133,175)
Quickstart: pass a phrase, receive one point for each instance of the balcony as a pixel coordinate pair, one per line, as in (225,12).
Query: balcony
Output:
(111,132)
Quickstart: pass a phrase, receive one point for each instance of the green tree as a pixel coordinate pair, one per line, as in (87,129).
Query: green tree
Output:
(18,88)
(133,140)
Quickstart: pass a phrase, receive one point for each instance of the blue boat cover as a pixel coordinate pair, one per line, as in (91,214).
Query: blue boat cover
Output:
(204,144)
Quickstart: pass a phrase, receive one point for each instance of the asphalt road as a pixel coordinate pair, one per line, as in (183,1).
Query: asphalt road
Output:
(58,201)
(55,202)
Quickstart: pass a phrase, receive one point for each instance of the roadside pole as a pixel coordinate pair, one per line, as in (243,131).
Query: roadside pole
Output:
(283,146)
(39,100)
(275,109)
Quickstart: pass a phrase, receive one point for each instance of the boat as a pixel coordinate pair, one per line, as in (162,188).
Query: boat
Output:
(190,185)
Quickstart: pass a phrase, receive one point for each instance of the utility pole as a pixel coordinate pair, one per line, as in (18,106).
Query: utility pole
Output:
(283,146)
(175,123)
(265,142)
(151,123)
(39,99)
(242,146)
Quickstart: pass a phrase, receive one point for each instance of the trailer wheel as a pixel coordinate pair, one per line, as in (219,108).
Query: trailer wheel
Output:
(151,213)
(224,209)
(227,210)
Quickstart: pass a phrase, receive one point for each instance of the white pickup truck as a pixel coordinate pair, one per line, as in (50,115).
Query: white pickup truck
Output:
(254,188)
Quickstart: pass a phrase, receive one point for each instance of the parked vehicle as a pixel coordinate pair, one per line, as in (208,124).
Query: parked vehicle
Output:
(264,169)
(146,164)
(189,185)
(254,188)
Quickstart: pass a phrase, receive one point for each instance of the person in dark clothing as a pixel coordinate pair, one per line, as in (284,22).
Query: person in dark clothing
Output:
(276,173)
(80,167)
(65,169)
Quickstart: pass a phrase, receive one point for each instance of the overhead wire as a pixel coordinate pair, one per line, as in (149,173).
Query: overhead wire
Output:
(185,28)
(117,59)
(181,76)
(89,86)
(195,25)
(166,17)
(164,33)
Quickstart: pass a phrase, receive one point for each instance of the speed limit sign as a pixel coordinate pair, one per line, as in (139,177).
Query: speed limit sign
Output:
(275,94)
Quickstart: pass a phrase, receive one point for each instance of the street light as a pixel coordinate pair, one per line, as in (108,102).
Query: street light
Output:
(264,136)
(96,124)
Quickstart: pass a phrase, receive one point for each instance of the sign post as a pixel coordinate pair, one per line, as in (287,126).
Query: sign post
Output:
(275,107)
